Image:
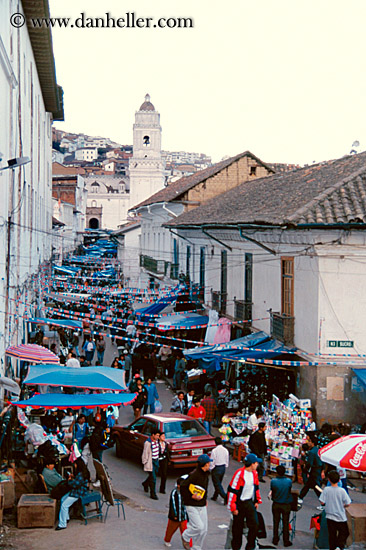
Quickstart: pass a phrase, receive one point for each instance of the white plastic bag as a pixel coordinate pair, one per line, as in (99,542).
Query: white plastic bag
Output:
(158,406)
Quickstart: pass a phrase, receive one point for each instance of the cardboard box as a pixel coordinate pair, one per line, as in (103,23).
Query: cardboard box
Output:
(9,493)
(356,519)
(36,511)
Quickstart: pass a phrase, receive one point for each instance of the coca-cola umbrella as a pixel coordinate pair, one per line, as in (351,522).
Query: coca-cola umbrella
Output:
(347,452)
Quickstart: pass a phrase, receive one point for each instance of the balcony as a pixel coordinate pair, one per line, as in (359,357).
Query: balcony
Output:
(283,327)
(160,267)
(152,265)
(219,301)
(243,311)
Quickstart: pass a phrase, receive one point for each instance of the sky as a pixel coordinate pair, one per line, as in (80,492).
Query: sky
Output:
(285,80)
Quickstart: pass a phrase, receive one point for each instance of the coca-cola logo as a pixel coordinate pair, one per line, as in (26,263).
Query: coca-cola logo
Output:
(360,450)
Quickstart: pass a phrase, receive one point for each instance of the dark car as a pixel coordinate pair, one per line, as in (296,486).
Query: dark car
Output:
(186,437)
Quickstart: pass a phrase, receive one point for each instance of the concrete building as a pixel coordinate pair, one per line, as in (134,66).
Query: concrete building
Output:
(288,252)
(129,236)
(160,248)
(86,153)
(70,190)
(30,101)
(146,165)
(109,195)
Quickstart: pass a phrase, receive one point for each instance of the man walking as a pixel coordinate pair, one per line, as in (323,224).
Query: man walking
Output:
(243,500)
(258,445)
(335,500)
(314,466)
(150,460)
(209,404)
(188,400)
(178,403)
(281,508)
(220,461)
(152,396)
(194,494)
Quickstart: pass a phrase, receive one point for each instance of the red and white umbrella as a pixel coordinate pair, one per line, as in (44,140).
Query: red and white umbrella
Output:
(348,452)
(33,353)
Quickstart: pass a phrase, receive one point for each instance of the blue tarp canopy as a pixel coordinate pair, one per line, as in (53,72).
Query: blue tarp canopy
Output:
(361,375)
(66,323)
(182,322)
(65,270)
(160,304)
(211,357)
(66,401)
(103,378)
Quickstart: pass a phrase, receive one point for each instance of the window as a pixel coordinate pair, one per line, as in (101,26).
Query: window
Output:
(188,261)
(287,284)
(150,424)
(181,430)
(248,274)
(223,283)
(202,272)
(253,170)
(138,425)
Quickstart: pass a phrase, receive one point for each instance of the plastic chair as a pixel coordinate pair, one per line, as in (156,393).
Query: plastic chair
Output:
(117,501)
(89,498)
(110,496)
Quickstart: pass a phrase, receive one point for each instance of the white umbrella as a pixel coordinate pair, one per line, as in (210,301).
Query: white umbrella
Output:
(347,452)
(9,385)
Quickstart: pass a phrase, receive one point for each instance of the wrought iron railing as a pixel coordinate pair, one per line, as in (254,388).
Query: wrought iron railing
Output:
(282,327)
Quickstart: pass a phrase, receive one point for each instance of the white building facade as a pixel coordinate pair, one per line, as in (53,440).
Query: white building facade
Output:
(288,255)
(31,100)
(86,153)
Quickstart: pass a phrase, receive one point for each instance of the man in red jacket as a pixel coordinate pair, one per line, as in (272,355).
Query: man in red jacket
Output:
(197,411)
(243,499)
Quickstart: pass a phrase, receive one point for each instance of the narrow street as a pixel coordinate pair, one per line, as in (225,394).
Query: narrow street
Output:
(146,519)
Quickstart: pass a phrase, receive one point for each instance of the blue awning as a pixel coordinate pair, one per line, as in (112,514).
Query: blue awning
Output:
(65,270)
(66,323)
(182,322)
(258,345)
(160,304)
(103,378)
(66,401)
(361,375)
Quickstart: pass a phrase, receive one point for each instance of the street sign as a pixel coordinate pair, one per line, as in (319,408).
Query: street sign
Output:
(340,343)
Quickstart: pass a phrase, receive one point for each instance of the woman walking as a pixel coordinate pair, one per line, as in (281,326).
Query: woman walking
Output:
(163,462)
(140,400)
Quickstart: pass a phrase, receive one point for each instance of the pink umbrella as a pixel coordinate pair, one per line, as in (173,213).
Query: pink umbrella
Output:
(33,353)
(348,452)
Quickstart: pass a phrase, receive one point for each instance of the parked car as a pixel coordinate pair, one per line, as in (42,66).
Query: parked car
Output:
(186,437)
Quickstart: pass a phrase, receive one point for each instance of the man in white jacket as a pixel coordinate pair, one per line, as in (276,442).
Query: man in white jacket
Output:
(150,460)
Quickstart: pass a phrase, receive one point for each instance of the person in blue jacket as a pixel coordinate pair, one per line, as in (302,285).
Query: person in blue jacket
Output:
(152,396)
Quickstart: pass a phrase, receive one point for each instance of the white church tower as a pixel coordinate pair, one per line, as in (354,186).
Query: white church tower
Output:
(146,164)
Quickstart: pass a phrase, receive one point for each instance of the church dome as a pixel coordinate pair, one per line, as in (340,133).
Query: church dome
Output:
(147,105)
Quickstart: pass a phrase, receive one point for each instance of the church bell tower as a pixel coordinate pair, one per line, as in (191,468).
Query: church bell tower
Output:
(146,165)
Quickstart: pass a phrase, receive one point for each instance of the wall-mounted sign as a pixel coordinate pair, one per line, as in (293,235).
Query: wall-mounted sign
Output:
(340,343)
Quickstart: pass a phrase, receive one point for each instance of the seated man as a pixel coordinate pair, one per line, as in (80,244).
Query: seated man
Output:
(51,477)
